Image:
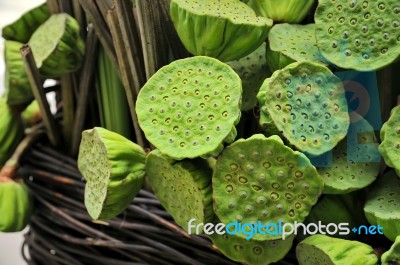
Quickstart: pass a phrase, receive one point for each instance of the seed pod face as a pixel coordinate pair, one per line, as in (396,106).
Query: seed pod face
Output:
(252,70)
(390,137)
(114,169)
(22,29)
(11,131)
(353,160)
(260,179)
(290,11)
(360,35)
(322,249)
(289,43)
(57,46)
(15,206)
(382,206)
(183,188)
(392,256)
(18,89)
(190,107)
(307,104)
(252,252)
(227,35)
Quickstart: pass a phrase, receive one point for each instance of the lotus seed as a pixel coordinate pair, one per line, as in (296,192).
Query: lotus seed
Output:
(275,186)
(229,188)
(243,194)
(228,177)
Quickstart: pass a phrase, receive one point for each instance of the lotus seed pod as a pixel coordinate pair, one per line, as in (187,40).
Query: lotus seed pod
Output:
(57,46)
(188,108)
(290,43)
(392,256)
(353,165)
(22,29)
(359,35)
(114,169)
(11,131)
(224,29)
(321,249)
(253,70)
(390,137)
(15,205)
(307,105)
(382,206)
(252,252)
(261,179)
(183,188)
(347,208)
(291,11)
(18,89)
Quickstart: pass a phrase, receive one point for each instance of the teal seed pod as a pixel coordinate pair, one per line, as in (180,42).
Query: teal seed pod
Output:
(306,104)
(188,108)
(382,205)
(183,188)
(289,43)
(18,88)
(261,179)
(253,70)
(224,29)
(57,46)
(322,249)
(359,35)
(392,256)
(390,137)
(252,252)
(290,11)
(353,165)
(114,170)
(22,29)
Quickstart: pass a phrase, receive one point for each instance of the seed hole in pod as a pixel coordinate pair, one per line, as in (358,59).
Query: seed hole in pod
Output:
(216,92)
(256,154)
(334,44)
(227,98)
(264,213)
(209,73)
(357,42)
(339,8)
(202,105)
(220,78)
(396,24)
(274,196)
(239,247)
(243,180)
(308,88)
(330,30)
(348,52)
(329,16)
(327,115)
(225,114)
(398,146)
(310,129)
(335,126)
(386,35)
(304,115)
(162,132)
(280,173)
(353,21)
(171,140)
(257,250)
(381,6)
(187,132)
(168,120)
(154,122)
(176,128)
(261,178)
(341,20)
(218,128)
(275,185)
(234,167)
(211,117)
(278,107)
(228,177)
(202,127)
(182,144)
(280,159)
(256,188)
(279,207)
(380,22)
(365,56)
(288,196)
(179,73)
(290,185)
(189,120)
(288,81)
(206,97)
(267,164)
(261,200)
(299,102)
(278,95)
(326,136)
(298,88)
(303,138)
(162,88)
(152,97)
(185,81)
(364,29)
(188,104)
(197,92)
(229,188)
(208,138)
(269,153)
(365,4)
(151,109)
(249,167)
(248,208)
(243,195)
(291,213)
(288,107)
(242,156)
(302,196)
(293,116)
(231,205)
(298,174)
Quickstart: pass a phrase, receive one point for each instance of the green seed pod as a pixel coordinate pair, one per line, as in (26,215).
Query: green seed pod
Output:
(252,252)
(15,206)
(307,105)
(392,256)
(183,188)
(390,137)
(18,88)
(260,179)
(321,249)
(189,108)
(11,131)
(355,171)
(224,29)
(32,114)
(382,206)
(22,29)
(291,11)
(114,169)
(290,43)
(347,208)
(253,70)
(359,35)
(57,46)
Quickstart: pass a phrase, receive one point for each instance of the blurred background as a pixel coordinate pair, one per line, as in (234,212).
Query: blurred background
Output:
(10,10)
